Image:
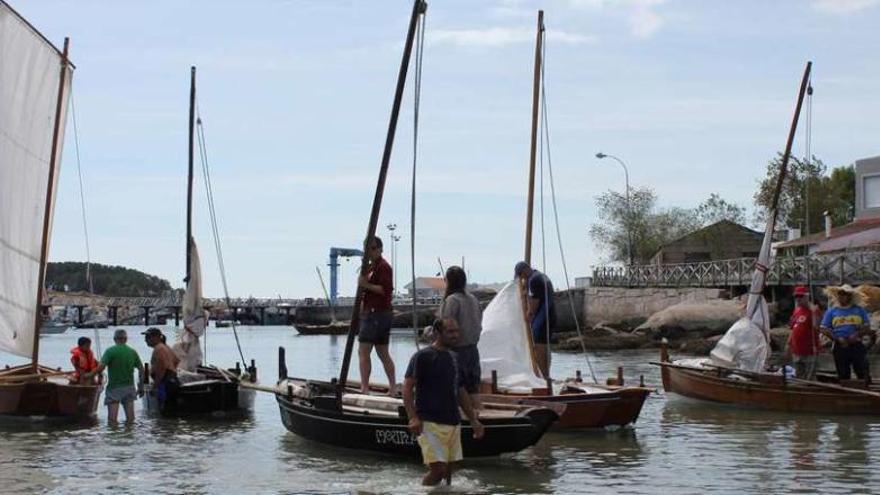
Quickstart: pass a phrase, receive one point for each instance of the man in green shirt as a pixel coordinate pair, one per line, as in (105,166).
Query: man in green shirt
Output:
(121,361)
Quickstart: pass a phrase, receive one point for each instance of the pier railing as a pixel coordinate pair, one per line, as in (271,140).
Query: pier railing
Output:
(852,267)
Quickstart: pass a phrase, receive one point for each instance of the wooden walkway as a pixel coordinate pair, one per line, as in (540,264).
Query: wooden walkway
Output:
(852,267)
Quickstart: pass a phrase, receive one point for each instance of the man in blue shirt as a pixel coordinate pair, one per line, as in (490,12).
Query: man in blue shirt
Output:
(845,323)
(433,391)
(541,312)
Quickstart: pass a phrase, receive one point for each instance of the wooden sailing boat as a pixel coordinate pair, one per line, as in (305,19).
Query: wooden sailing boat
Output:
(335,327)
(34,88)
(336,414)
(728,377)
(203,389)
(509,345)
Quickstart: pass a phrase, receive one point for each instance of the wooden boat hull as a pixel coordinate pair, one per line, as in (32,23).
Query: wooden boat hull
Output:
(614,407)
(389,435)
(49,398)
(708,385)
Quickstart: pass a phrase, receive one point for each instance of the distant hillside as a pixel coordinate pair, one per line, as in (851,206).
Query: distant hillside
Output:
(107,280)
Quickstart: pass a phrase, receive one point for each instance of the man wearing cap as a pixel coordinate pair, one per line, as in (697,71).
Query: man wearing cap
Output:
(540,310)
(803,342)
(121,361)
(163,367)
(845,323)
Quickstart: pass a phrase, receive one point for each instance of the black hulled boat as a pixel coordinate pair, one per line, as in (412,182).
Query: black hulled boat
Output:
(313,410)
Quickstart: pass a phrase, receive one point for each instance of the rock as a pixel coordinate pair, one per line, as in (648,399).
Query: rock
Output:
(690,320)
(602,339)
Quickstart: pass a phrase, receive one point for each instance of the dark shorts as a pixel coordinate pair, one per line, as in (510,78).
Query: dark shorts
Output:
(468,359)
(539,327)
(375,328)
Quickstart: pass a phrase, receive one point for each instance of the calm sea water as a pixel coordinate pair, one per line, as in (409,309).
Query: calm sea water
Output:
(677,446)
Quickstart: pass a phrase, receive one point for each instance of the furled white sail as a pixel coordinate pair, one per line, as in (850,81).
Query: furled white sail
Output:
(30,73)
(504,344)
(747,344)
(195,318)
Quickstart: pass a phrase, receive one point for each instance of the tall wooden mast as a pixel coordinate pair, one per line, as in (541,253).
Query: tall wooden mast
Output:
(419,8)
(47,214)
(536,93)
(189,181)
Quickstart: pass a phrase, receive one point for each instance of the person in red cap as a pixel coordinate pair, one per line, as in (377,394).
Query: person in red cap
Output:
(803,342)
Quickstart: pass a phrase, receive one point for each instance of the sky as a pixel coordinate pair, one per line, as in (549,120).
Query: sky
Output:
(295,95)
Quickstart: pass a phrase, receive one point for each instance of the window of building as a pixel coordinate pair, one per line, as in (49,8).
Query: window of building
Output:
(871,190)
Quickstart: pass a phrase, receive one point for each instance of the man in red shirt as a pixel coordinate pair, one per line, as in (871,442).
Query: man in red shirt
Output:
(804,339)
(375,327)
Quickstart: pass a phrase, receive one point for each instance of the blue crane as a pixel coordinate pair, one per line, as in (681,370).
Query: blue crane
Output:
(335,254)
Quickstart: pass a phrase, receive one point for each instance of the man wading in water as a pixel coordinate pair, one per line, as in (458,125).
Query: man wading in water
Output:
(433,389)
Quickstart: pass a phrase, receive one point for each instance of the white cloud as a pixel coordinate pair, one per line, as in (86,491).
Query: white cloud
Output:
(843,7)
(641,15)
(500,36)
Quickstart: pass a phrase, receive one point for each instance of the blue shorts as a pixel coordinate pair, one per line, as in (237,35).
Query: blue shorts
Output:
(375,328)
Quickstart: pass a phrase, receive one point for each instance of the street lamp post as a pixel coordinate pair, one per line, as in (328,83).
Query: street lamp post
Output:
(629,235)
(394,238)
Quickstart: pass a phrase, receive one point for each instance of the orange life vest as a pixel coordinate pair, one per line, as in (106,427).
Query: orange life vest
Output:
(83,361)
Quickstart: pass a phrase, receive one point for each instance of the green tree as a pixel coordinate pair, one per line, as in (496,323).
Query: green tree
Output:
(106,280)
(833,193)
(715,208)
(638,224)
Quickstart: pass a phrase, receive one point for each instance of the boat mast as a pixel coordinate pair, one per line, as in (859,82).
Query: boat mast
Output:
(47,214)
(791,133)
(527,257)
(419,8)
(536,91)
(189,181)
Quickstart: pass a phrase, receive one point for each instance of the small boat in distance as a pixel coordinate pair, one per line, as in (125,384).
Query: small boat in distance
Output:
(54,327)
(333,328)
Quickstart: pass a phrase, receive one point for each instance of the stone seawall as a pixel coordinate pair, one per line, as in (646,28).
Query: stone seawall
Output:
(631,307)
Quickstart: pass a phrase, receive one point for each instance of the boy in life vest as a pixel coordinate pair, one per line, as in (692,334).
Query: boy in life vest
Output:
(83,360)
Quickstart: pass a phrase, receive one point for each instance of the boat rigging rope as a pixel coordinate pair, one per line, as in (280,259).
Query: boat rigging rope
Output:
(545,143)
(417,94)
(215,229)
(808,138)
(82,201)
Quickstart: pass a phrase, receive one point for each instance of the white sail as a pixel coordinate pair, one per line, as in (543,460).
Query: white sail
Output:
(747,344)
(195,318)
(29,78)
(504,343)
